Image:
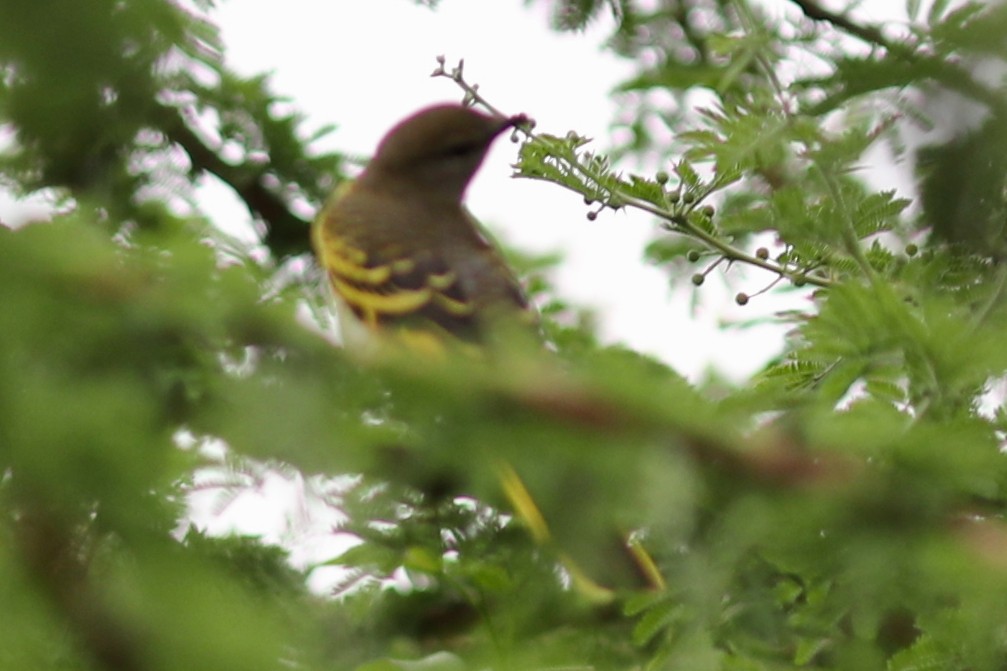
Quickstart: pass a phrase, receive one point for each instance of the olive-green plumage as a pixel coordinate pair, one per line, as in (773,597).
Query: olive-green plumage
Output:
(401,251)
(404,257)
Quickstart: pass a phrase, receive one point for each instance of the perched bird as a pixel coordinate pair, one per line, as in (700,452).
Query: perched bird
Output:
(403,255)
(409,265)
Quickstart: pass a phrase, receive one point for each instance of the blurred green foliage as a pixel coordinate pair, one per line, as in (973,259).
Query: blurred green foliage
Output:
(841,510)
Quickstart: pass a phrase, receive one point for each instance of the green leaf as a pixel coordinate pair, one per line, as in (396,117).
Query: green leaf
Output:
(656,618)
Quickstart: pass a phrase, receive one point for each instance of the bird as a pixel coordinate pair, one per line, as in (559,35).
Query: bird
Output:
(403,255)
(409,265)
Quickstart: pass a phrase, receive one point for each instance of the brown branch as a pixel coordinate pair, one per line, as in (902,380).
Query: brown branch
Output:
(54,555)
(771,457)
(286,233)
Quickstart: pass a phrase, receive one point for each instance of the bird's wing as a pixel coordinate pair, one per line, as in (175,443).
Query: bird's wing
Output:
(453,287)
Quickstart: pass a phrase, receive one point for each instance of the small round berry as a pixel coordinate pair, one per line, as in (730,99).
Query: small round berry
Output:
(688,197)
(592,215)
(661,177)
(911,249)
(698,279)
(708,210)
(741,298)
(693,255)
(762,253)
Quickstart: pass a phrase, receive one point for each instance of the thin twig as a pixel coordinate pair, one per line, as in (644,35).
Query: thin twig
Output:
(677,221)
(868,34)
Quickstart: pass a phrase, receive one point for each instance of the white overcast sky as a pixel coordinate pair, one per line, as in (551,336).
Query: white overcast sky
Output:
(365,65)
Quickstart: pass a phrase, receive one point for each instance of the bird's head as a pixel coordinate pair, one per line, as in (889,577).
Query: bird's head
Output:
(438,148)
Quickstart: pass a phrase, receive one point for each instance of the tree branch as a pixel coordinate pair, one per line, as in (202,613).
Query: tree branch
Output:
(947,73)
(286,233)
(50,550)
(868,34)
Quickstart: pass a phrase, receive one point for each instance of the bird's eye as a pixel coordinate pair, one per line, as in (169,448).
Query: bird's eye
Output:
(459,149)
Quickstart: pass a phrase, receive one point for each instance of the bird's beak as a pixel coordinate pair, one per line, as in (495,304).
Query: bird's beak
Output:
(517,121)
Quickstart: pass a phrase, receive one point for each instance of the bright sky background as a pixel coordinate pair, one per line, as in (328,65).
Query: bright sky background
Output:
(365,65)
